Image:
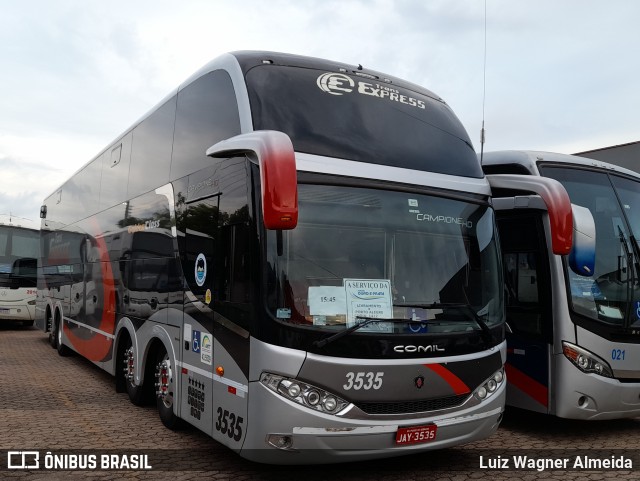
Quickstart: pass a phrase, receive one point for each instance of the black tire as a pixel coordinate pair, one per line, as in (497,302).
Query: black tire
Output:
(53,335)
(63,350)
(138,395)
(166,379)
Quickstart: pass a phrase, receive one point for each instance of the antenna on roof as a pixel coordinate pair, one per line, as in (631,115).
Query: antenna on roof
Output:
(484,83)
(16,217)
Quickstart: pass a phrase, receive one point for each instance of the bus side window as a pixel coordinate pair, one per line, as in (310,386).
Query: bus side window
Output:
(207,113)
(527,295)
(151,150)
(199,245)
(234,225)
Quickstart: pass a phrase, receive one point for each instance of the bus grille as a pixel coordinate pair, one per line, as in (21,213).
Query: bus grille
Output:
(410,407)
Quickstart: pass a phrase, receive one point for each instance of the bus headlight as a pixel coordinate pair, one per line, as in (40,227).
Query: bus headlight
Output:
(303,393)
(585,360)
(490,385)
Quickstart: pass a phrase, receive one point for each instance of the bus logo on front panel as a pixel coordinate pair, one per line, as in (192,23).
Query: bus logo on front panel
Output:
(335,83)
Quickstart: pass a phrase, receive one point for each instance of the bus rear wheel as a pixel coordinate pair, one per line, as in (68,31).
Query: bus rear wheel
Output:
(53,335)
(62,349)
(166,376)
(138,395)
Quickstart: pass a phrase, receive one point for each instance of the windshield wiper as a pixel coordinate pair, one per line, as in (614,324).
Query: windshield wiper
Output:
(365,322)
(486,330)
(631,267)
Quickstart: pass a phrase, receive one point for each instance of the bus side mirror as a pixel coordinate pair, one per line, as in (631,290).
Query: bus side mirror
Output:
(582,258)
(274,154)
(555,198)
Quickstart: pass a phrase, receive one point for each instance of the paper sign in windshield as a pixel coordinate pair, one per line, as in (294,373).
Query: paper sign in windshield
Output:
(327,301)
(368,298)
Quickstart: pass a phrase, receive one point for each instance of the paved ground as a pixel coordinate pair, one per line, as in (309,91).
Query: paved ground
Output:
(69,406)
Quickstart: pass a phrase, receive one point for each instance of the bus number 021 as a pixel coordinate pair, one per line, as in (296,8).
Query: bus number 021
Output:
(229,424)
(363,380)
(617,354)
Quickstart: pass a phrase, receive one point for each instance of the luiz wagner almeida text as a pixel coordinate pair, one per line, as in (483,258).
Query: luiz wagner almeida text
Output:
(541,464)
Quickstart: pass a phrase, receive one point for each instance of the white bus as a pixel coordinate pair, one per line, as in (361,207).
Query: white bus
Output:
(574,337)
(19,252)
(294,255)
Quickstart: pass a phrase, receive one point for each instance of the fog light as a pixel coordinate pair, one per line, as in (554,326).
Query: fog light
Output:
(491,385)
(280,441)
(481,392)
(498,377)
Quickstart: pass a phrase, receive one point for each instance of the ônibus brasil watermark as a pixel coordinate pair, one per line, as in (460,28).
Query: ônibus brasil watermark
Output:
(37,460)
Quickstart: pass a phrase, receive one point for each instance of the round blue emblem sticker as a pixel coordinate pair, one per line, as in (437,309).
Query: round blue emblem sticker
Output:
(201,269)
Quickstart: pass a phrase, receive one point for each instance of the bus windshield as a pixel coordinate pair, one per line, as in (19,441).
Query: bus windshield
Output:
(362,119)
(19,250)
(609,296)
(360,253)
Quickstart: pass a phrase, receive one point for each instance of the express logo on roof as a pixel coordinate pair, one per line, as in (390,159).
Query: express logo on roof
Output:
(339,84)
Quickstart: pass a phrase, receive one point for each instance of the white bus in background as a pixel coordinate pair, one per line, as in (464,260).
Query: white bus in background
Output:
(19,252)
(573,343)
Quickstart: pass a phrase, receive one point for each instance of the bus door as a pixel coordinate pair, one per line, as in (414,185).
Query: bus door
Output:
(197,251)
(233,313)
(528,308)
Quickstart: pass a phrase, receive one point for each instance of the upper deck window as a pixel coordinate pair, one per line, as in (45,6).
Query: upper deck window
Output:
(361,119)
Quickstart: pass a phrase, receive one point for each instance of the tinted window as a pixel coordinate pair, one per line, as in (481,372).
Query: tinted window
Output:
(115,170)
(526,280)
(207,113)
(151,150)
(217,227)
(79,197)
(360,119)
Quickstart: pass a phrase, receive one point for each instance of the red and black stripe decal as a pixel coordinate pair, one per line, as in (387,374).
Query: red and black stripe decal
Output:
(98,347)
(457,385)
(528,385)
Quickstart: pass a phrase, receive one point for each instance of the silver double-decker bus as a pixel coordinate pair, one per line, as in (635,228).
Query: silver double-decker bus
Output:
(294,255)
(573,341)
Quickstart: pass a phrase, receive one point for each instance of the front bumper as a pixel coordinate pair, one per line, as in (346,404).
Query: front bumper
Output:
(318,438)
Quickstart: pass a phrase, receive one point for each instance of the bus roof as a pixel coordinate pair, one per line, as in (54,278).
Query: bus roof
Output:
(526,162)
(242,61)
(8,220)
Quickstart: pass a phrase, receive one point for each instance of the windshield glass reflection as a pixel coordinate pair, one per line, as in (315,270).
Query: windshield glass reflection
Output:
(362,253)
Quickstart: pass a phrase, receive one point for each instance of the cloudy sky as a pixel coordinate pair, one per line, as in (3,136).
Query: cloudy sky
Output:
(560,75)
